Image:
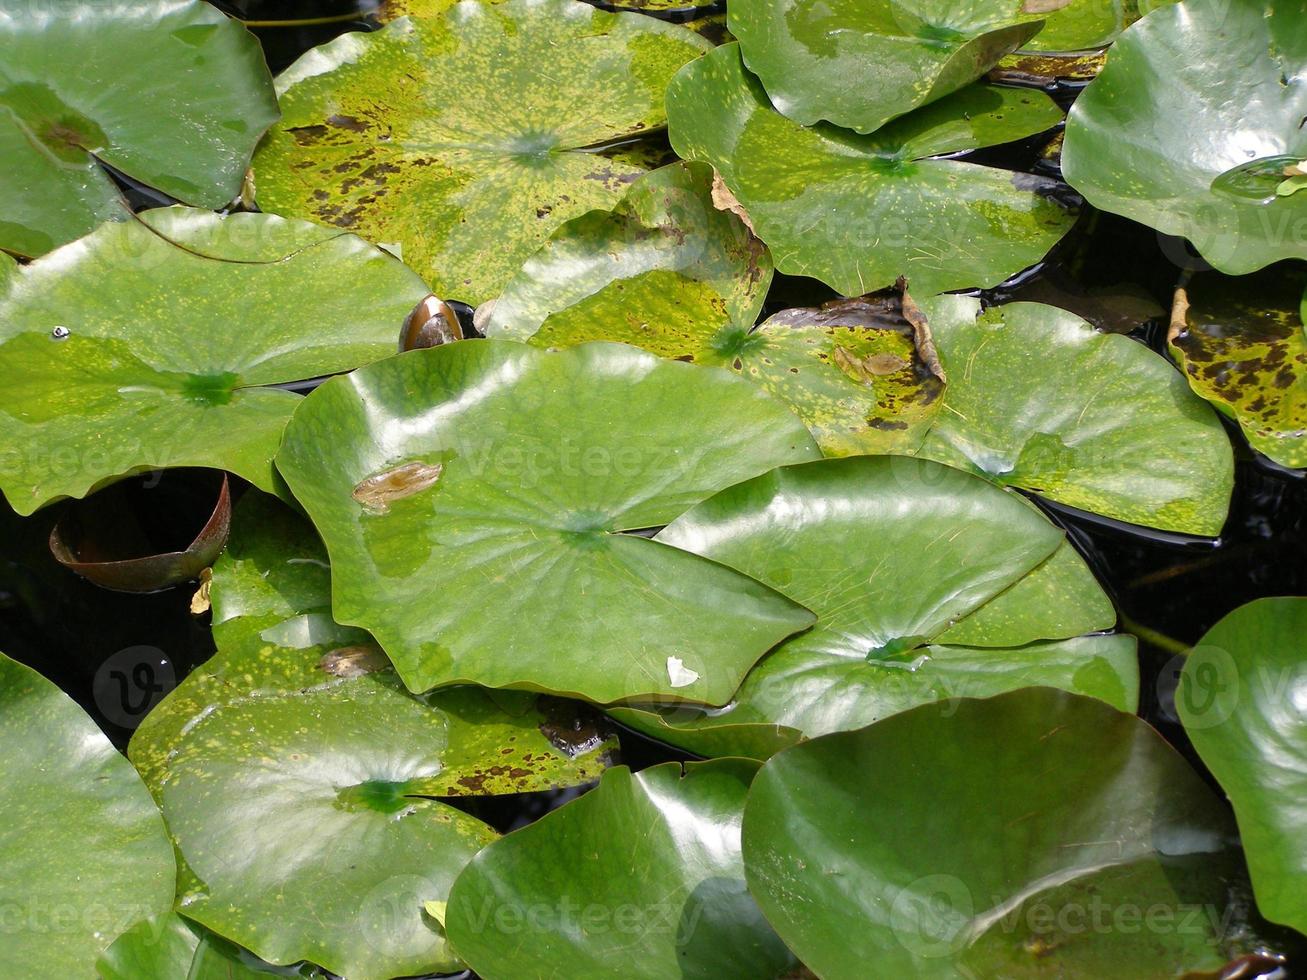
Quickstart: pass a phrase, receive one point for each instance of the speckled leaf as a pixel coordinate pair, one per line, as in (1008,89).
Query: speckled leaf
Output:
(543,457)
(1243,701)
(392,9)
(1217,140)
(167,349)
(1241,344)
(850,370)
(1038,399)
(666,902)
(200,99)
(1022,836)
(271,598)
(664,270)
(891,553)
(170,947)
(1084,24)
(858,212)
(861,63)
(83,850)
(469,170)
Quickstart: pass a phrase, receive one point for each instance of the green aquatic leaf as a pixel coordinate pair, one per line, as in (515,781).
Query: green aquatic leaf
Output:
(857,212)
(667,902)
(1084,24)
(1095,421)
(1240,343)
(538,460)
(1026,835)
(1215,138)
(297,748)
(200,99)
(174,364)
(664,270)
(1244,704)
(83,850)
(901,559)
(470,171)
(169,946)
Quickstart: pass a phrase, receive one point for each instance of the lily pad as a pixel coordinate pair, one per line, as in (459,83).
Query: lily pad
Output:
(928,585)
(1084,24)
(1217,141)
(496,464)
(83,850)
(201,97)
(172,947)
(1241,344)
(861,63)
(470,171)
(857,212)
(667,902)
(1243,701)
(177,364)
(1025,835)
(663,270)
(1096,421)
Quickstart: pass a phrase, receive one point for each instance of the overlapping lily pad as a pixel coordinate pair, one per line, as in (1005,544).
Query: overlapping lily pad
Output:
(861,63)
(201,97)
(1242,345)
(492,475)
(664,270)
(1024,835)
(298,749)
(1243,701)
(1084,24)
(1169,136)
(857,212)
(169,946)
(83,850)
(667,902)
(156,343)
(1040,400)
(928,584)
(469,171)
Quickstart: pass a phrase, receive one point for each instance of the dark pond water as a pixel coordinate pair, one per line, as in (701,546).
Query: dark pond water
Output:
(118,654)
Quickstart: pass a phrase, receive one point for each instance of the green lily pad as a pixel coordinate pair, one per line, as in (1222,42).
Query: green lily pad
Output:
(666,902)
(338,746)
(857,212)
(1096,421)
(172,366)
(861,63)
(83,850)
(1084,24)
(201,97)
(498,465)
(1216,138)
(470,171)
(663,270)
(1244,704)
(1032,834)
(1240,343)
(904,561)
(170,946)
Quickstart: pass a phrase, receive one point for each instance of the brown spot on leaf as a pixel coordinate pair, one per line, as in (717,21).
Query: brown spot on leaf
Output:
(377,492)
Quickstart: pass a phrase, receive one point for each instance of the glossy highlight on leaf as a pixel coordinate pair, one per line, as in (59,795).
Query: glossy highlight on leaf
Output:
(200,99)
(469,170)
(666,902)
(1169,77)
(83,850)
(547,457)
(176,364)
(857,212)
(1242,346)
(1243,702)
(904,561)
(978,841)
(663,271)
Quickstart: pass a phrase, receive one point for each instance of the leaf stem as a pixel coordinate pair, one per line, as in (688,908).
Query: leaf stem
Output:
(1155,637)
